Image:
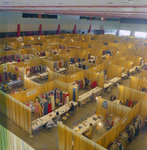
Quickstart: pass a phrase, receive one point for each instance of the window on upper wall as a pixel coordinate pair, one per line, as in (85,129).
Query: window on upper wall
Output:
(140,34)
(124,33)
(110,31)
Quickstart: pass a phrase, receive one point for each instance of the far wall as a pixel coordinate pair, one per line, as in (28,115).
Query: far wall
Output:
(9,21)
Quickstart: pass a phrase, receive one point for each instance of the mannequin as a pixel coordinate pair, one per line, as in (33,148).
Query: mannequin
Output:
(37,104)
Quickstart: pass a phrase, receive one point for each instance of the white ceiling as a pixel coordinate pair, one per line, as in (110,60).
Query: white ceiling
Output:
(98,8)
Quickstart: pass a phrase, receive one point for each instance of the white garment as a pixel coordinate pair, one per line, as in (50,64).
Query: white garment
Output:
(62,63)
(67,99)
(53,102)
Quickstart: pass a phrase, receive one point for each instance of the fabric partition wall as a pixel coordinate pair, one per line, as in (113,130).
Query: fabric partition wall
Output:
(72,69)
(127,119)
(134,59)
(108,137)
(101,80)
(137,83)
(92,75)
(126,64)
(114,132)
(31,63)
(144,74)
(16,111)
(48,63)
(109,57)
(143,109)
(54,75)
(35,62)
(22,64)
(125,93)
(119,110)
(25,95)
(2,68)
(97,68)
(62,79)
(67,139)
(98,52)
(30,84)
(10,141)
(113,71)
(99,61)
(64,137)
(75,76)
(32,51)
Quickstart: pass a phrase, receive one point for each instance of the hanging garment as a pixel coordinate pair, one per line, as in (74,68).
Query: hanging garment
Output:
(65,64)
(45,108)
(52,102)
(83,66)
(67,97)
(49,107)
(80,65)
(105,104)
(55,65)
(60,64)
(74,94)
(37,104)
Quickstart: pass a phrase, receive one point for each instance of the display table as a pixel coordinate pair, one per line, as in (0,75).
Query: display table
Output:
(115,79)
(84,126)
(117,101)
(91,60)
(88,94)
(43,120)
(14,83)
(107,84)
(124,75)
(43,75)
(132,70)
(104,56)
(40,75)
(61,69)
(33,77)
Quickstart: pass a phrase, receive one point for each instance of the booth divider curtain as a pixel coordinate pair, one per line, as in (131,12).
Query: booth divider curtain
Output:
(138,82)
(125,93)
(144,74)
(9,141)
(114,132)
(16,111)
(119,110)
(54,75)
(67,139)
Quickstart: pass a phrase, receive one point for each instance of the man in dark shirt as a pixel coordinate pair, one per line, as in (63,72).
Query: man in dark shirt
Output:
(72,107)
(113,97)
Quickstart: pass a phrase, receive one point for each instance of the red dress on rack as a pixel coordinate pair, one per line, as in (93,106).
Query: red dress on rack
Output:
(49,107)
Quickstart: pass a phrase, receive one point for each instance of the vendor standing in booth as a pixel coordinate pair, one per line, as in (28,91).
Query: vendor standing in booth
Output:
(128,73)
(113,97)
(90,132)
(72,107)
(92,97)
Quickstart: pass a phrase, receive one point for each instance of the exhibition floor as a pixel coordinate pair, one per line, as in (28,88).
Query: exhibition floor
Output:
(47,140)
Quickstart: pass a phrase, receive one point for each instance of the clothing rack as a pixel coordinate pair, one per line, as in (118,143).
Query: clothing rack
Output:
(131,103)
